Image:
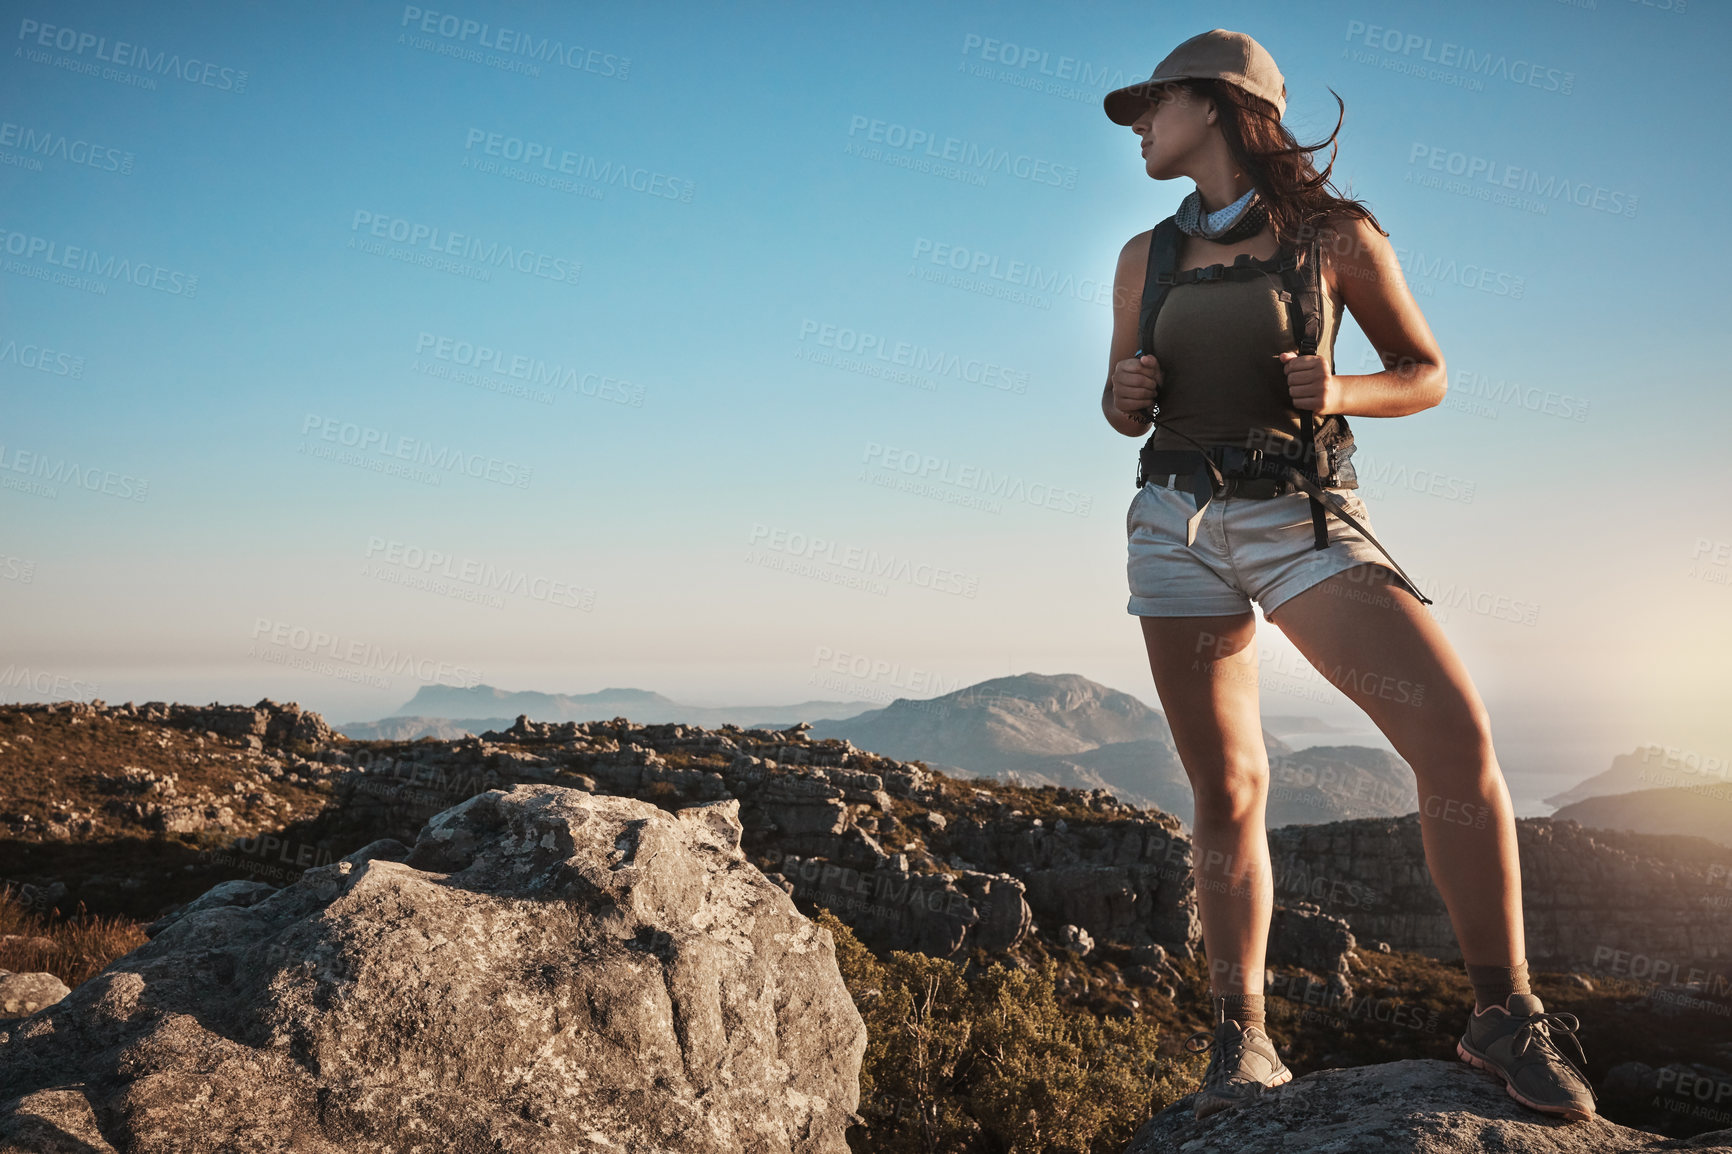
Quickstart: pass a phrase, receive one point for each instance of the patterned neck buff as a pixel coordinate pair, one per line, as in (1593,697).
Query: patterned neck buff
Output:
(1243,218)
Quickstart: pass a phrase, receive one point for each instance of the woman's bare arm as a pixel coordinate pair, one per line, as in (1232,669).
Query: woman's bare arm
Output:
(1129,383)
(1368,280)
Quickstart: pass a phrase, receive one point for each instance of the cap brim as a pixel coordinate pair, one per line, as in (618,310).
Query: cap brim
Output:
(1124,105)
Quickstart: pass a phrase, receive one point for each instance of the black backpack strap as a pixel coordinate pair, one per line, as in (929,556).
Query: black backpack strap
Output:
(1163,260)
(1305,311)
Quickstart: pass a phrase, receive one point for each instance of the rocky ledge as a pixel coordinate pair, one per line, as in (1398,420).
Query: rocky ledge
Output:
(1412,1107)
(545,969)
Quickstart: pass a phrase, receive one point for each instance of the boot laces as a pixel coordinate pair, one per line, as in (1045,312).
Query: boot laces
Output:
(1543,1031)
(1225,1055)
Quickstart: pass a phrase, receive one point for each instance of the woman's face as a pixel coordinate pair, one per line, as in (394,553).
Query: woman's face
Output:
(1174,128)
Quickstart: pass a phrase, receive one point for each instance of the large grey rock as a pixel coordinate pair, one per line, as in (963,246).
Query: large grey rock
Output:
(1412,1107)
(51,1122)
(237,892)
(23,994)
(546,970)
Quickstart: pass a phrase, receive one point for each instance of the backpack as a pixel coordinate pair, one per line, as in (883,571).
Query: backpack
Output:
(1320,442)
(1302,292)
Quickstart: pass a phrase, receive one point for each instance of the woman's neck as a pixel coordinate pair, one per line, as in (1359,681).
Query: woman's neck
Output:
(1222,193)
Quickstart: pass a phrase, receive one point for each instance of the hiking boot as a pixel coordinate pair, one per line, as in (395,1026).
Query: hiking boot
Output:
(1519,1045)
(1242,1063)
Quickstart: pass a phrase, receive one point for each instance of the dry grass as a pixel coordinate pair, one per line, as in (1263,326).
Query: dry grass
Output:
(72,949)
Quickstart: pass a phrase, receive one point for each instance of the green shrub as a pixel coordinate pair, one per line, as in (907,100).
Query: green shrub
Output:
(987,1060)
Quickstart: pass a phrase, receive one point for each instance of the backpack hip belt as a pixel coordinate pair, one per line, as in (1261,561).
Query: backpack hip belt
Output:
(1228,470)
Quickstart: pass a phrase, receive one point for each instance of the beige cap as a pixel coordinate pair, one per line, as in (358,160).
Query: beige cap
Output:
(1215,55)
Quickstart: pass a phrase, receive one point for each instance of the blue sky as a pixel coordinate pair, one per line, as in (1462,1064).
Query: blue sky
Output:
(535,357)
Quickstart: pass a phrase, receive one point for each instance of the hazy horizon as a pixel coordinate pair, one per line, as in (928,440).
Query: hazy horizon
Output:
(1540,756)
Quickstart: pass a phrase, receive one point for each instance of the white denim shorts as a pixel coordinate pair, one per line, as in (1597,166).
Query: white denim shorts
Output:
(1247,549)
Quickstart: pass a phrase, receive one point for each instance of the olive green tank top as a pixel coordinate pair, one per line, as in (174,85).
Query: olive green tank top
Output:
(1217,344)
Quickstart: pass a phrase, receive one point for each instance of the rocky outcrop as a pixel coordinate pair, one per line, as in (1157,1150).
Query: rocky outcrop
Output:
(812,812)
(1308,947)
(271,723)
(1123,878)
(1622,904)
(545,969)
(1414,1107)
(910,859)
(893,907)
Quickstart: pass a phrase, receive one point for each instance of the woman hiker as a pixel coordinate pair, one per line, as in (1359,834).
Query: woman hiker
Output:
(1246,494)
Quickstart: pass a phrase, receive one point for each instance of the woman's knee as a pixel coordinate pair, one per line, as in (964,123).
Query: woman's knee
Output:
(1231,792)
(1455,730)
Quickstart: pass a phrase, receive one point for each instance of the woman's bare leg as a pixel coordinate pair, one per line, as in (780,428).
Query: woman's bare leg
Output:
(1205,671)
(1370,636)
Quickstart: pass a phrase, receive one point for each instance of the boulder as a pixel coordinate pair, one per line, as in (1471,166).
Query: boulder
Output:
(1412,1107)
(546,969)
(23,994)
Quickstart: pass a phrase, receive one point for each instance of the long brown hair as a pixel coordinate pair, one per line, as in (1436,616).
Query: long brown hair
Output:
(1298,197)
